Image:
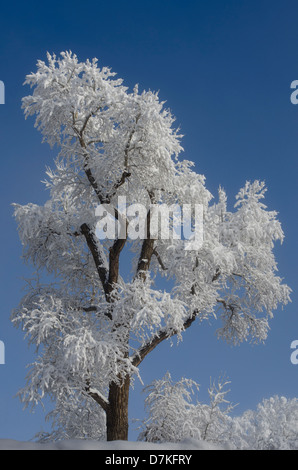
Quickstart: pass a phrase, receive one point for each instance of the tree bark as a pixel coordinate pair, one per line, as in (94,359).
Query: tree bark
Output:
(147,250)
(117,412)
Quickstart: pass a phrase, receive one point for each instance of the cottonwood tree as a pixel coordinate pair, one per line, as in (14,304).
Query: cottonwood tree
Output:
(92,327)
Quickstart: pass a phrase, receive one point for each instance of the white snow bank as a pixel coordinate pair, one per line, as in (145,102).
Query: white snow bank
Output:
(80,444)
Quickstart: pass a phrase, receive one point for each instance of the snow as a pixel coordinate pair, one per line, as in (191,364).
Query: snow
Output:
(81,444)
(115,146)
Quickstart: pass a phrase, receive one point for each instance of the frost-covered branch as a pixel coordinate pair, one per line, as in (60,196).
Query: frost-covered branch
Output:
(140,355)
(159,260)
(97,397)
(96,253)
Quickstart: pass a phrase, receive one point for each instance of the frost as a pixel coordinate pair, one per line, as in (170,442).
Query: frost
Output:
(92,326)
(175,415)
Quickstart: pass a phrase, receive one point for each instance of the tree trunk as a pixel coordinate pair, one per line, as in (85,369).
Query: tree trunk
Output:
(117,413)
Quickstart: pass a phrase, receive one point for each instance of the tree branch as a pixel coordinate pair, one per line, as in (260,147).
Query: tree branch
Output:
(98,397)
(216,275)
(159,260)
(147,249)
(228,307)
(92,113)
(93,182)
(115,251)
(94,308)
(97,256)
(108,278)
(126,174)
(140,355)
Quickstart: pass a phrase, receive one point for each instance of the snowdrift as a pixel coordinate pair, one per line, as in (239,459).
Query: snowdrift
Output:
(80,444)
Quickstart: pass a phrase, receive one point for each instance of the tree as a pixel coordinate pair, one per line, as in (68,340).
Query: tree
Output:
(174,415)
(171,411)
(272,426)
(92,327)
(214,419)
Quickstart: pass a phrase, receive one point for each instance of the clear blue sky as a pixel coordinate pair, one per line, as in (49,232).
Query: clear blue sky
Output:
(225,69)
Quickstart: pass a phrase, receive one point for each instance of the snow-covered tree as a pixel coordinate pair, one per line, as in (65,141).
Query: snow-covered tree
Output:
(75,417)
(92,327)
(213,419)
(171,411)
(174,412)
(273,426)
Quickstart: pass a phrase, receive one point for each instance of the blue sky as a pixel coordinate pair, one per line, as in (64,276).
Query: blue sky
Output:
(225,69)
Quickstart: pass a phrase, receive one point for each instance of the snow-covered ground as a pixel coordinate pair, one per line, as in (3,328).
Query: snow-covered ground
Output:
(188,444)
